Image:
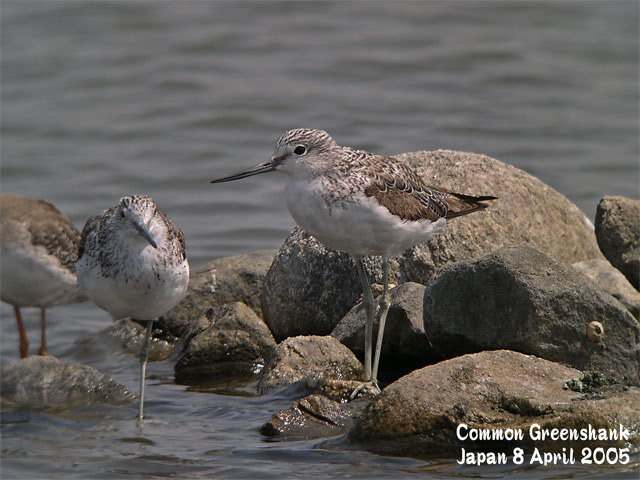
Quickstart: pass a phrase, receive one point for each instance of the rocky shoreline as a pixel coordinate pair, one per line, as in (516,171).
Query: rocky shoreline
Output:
(523,315)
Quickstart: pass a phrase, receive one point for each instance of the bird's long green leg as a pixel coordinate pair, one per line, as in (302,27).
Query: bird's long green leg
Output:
(384,310)
(367,303)
(144,357)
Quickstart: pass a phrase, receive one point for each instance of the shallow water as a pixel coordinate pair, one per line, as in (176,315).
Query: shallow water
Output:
(104,99)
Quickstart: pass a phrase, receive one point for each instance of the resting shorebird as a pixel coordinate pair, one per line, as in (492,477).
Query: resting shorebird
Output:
(132,263)
(39,249)
(363,204)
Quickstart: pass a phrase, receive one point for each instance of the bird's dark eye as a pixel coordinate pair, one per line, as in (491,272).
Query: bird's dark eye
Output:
(300,150)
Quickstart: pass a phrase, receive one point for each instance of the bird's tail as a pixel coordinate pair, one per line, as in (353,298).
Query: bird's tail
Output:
(462,204)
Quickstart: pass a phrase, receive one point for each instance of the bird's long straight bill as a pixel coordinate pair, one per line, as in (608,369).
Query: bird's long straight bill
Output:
(146,234)
(262,168)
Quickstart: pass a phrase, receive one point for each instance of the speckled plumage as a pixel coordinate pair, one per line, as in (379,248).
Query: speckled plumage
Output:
(132,263)
(346,172)
(38,256)
(121,271)
(360,203)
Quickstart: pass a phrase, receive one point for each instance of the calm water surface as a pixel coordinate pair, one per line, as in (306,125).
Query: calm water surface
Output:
(105,99)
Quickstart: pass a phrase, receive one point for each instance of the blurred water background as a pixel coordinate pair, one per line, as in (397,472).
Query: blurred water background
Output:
(105,99)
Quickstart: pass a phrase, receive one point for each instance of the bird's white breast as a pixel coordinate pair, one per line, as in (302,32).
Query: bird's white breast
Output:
(142,284)
(352,222)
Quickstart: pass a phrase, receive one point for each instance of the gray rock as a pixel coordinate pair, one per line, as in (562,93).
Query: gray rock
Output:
(224,280)
(315,416)
(527,211)
(307,362)
(308,288)
(405,342)
(612,281)
(618,234)
(46,382)
(520,299)
(236,335)
(125,334)
(419,414)
(129,335)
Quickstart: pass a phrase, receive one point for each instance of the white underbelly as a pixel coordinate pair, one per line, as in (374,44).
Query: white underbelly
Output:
(141,292)
(359,227)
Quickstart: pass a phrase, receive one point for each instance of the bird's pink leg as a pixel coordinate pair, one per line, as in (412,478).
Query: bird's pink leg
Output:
(43,338)
(24,344)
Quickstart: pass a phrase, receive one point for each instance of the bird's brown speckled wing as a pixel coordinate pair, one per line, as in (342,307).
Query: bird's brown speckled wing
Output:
(397,188)
(55,232)
(47,225)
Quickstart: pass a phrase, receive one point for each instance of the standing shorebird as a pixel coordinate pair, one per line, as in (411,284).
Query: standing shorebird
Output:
(39,249)
(132,263)
(363,204)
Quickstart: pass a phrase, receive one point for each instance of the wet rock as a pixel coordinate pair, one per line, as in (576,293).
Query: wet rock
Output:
(618,233)
(46,382)
(405,345)
(129,335)
(309,288)
(307,362)
(315,416)
(520,299)
(419,415)
(235,336)
(340,389)
(612,281)
(224,280)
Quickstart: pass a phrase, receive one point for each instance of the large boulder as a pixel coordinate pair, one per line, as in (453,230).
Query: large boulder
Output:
(618,234)
(46,382)
(309,288)
(235,338)
(307,362)
(520,299)
(405,345)
(527,212)
(433,410)
(224,280)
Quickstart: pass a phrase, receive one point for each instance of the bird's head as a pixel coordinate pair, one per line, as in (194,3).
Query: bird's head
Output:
(298,153)
(137,212)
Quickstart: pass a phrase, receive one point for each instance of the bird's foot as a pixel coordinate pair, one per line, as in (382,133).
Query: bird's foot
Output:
(371,387)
